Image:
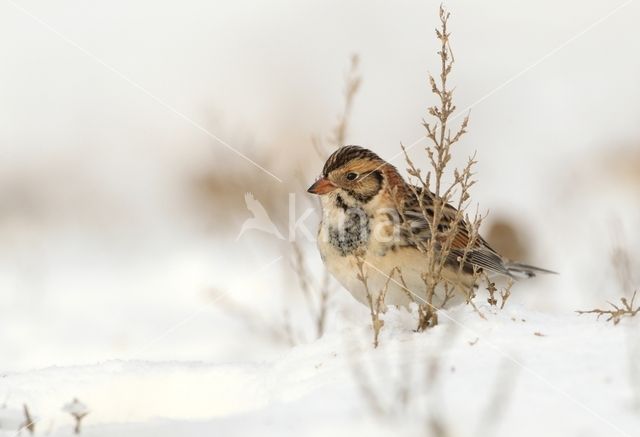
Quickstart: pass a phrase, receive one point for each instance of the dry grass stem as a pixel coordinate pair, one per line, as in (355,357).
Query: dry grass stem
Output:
(317,293)
(499,400)
(339,134)
(352,85)
(622,265)
(316,299)
(491,288)
(434,195)
(29,422)
(78,411)
(494,292)
(505,293)
(626,308)
(376,302)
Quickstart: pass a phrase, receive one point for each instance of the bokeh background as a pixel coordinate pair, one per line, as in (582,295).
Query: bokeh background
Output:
(119,213)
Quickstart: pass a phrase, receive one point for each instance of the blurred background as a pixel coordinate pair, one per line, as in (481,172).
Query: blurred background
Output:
(120,209)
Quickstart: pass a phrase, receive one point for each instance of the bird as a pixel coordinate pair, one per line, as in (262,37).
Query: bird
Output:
(260,220)
(373,233)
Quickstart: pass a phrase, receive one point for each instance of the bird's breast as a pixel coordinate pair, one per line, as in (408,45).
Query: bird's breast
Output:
(345,231)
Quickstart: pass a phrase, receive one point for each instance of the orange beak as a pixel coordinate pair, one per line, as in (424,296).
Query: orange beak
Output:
(321,186)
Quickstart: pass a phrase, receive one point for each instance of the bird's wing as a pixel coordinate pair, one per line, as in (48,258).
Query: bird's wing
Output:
(479,254)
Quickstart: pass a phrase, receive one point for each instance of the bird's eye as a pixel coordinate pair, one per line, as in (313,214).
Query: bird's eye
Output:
(352,176)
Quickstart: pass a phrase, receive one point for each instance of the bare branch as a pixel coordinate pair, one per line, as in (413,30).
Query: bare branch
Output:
(626,308)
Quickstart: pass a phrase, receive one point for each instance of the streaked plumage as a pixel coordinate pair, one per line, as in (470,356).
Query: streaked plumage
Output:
(369,211)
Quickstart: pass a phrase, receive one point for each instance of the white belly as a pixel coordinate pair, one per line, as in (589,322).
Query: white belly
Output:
(381,272)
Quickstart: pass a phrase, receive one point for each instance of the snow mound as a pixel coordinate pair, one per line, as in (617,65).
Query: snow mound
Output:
(514,369)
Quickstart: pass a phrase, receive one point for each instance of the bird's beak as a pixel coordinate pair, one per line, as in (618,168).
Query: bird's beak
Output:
(321,186)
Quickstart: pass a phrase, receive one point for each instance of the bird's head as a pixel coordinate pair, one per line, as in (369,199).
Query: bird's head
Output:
(356,174)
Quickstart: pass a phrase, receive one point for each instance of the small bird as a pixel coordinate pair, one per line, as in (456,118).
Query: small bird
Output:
(372,219)
(260,220)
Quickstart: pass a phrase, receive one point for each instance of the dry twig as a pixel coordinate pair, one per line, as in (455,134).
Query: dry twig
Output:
(376,302)
(352,85)
(29,422)
(505,293)
(317,299)
(434,195)
(317,293)
(626,308)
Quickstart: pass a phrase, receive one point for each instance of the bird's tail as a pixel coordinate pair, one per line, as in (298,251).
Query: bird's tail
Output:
(521,271)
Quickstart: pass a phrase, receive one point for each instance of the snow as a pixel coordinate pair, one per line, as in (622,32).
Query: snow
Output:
(76,408)
(112,291)
(11,418)
(572,372)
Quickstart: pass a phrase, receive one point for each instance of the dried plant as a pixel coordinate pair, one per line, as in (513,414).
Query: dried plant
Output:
(376,301)
(78,411)
(620,258)
(338,136)
(626,308)
(316,298)
(621,262)
(317,292)
(434,197)
(505,293)
(256,321)
(499,400)
(29,422)
(408,388)
(491,288)
(493,291)
(436,193)
(352,85)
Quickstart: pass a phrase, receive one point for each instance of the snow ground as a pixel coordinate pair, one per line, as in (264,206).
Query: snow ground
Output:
(517,370)
(106,288)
